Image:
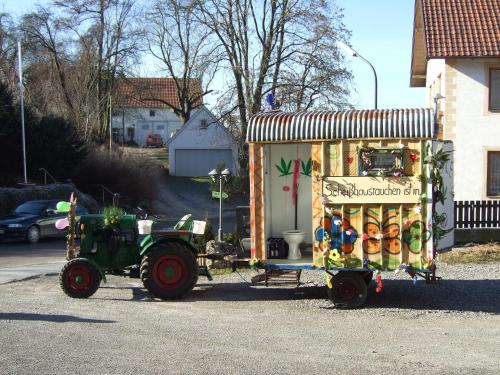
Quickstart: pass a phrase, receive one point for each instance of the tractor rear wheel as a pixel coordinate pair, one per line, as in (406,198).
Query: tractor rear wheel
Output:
(348,290)
(169,270)
(79,278)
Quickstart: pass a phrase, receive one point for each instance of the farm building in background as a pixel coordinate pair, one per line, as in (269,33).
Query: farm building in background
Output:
(140,109)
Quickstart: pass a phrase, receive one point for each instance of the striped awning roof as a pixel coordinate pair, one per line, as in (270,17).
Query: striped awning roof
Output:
(278,126)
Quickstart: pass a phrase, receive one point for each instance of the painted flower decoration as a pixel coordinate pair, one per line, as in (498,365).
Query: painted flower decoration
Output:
(427,263)
(416,236)
(332,258)
(339,234)
(334,255)
(375,233)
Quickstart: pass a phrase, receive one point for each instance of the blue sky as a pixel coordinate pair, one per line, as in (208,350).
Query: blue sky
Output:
(381,32)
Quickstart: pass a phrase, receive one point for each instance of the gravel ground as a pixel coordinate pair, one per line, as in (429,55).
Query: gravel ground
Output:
(228,327)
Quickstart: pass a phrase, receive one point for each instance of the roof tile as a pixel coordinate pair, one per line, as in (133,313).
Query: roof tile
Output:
(152,93)
(462,28)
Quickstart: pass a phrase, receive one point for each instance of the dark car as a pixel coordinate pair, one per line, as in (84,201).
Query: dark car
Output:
(33,220)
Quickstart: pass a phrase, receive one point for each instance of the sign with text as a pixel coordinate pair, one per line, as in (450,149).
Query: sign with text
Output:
(353,190)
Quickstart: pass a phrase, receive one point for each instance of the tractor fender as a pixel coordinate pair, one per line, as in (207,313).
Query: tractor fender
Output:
(149,244)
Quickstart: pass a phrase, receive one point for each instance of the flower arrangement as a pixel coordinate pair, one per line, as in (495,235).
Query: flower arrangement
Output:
(256,263)
(112,216)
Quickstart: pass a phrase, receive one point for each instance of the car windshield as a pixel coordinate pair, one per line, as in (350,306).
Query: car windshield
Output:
(34,208)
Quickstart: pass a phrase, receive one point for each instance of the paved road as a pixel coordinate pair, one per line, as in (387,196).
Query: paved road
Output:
(183,195)
(21,260)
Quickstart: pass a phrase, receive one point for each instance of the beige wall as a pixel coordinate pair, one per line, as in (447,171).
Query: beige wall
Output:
(467,121)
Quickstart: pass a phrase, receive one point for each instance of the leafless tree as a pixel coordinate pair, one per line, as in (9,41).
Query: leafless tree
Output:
(76,50)
(309,72)
(8,50)
(185,49)
(112,37)
(284,47)
(279,46)
(47,54)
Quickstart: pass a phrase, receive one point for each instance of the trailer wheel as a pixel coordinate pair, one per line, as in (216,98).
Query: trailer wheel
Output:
(348,290)
(169,271)
(79,278)
(368,276)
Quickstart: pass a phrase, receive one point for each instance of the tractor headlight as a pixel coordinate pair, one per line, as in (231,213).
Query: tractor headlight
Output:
(14,226)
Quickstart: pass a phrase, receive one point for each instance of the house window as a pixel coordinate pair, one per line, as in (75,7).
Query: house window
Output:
(380,162)
(494,89)
(160,127)
(145,127)
(152,113)
(203,124)
(493,177)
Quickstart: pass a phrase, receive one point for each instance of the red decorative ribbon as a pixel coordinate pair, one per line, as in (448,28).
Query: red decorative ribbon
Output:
(380,284)
(296,176)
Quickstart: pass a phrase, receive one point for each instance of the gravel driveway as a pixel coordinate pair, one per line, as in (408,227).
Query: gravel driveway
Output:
(228,327)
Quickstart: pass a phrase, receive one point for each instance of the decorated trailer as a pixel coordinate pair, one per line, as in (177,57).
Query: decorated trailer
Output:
(350,193)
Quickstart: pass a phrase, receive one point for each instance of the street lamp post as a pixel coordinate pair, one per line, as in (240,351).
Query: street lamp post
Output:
(220,176)
(353,53)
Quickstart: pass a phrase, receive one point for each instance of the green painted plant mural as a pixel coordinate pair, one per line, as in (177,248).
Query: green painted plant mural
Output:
(306,167)
(416,236)
(284,168)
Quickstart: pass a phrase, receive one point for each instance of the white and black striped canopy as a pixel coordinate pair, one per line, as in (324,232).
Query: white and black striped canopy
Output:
(278,126)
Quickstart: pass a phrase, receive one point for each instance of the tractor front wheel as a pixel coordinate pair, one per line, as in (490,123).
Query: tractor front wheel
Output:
(79,278)
(348,290)
(169,271)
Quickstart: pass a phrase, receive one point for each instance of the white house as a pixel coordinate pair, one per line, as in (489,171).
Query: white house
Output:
(141,109)
(456,53)
(201,145)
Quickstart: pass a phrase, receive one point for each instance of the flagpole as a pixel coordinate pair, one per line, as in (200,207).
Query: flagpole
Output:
(21,94)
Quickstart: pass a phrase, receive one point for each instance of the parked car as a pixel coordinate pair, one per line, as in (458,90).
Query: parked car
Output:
(34,220)
(154,140)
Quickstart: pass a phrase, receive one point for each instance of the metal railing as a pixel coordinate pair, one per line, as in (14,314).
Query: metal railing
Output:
(45,174)
(115,196)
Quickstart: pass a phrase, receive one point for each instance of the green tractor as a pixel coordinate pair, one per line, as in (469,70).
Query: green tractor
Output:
(165,259)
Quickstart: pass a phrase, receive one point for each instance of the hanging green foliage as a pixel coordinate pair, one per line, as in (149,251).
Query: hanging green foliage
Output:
(435,162)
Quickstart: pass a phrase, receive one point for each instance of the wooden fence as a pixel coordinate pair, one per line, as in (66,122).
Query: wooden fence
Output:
(477,214)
